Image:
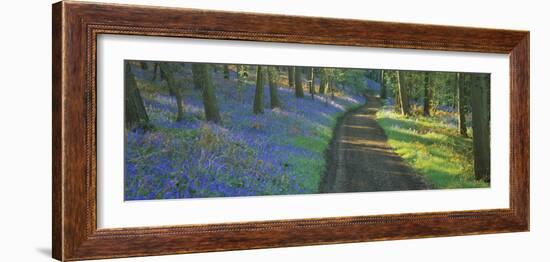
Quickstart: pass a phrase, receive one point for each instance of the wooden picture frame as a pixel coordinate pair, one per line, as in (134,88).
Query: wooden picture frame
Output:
(76,26)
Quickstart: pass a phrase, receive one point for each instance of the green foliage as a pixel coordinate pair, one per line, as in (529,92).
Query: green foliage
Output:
(432,148)
(373,74)
(316,144)
(355,79)
(308,171)
(390,82)
(443,87)
(349,78)
(431,145)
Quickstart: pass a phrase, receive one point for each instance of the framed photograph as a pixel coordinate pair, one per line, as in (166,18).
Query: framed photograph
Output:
(181,130)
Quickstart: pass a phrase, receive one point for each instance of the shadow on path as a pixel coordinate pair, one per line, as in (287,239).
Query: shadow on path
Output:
(359,159)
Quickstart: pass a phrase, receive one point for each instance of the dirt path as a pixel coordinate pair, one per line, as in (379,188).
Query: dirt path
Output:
(361,160)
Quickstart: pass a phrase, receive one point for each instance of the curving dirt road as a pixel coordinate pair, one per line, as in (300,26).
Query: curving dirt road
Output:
(361,160)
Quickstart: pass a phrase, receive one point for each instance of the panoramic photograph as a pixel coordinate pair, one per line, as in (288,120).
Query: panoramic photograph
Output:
(200,130)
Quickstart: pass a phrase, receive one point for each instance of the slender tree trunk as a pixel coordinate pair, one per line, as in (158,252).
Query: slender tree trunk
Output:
(167,72)
(258,107)
(203,77)
(155,69)
(328,78)
(322,82)
(480,127)
(312,83)
(242,75)
(299,90)
(396,96)
(332,88)
(272,75)
(460,103)
(403,95)
(226,71)
(307,74)
(291,70)
(427,94)
(197,82)
(179,102)
(134,110)
(323,86)
(383,91)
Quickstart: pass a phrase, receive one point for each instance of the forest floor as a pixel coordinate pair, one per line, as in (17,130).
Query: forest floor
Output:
(361,160)
(279,152)
(431,146)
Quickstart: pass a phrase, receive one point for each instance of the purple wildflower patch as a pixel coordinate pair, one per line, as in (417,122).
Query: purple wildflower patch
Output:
(247,155)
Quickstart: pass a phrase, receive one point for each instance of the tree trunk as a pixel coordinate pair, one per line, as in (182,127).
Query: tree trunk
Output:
(179,102)
(311,83)
(460,104)
(272,75)
(226,71)
(323,86)
(242,75)
(143,65)
(403,95)
(134,110)
(396,97)
(155,69)
(332,89)
(204,81)
(383,91)
(427,94)
(196,77)
(291,70)
(258,107)
(480,127)
(167,72)
(299,90)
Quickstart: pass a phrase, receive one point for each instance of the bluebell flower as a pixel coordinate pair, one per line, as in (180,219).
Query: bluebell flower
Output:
(249,155)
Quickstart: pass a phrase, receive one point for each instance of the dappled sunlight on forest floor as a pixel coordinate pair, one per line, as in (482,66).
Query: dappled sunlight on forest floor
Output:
(433,147)
(195,130)
(278,152)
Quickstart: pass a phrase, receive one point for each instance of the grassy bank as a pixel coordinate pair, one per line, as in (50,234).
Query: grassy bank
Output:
(433,148)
